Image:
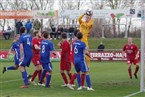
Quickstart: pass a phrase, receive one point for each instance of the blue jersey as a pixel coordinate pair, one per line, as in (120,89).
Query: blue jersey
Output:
(79,48)
(16,48)
(26,40)
(46,48)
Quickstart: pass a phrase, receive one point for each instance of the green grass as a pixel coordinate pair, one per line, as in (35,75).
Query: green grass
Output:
(110,43)
(109,79)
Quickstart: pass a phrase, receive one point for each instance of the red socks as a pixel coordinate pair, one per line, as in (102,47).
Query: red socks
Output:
(64,78)
(82,79)
(39,75)
(136,69)
(130,73)
(74,76)
(34,75)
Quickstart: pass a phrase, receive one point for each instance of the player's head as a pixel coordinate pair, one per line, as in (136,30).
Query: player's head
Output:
(22,30)
(130,40)
(17,37)
(37,33)
(45,35)
(79,35)
(64,36)
(75,32)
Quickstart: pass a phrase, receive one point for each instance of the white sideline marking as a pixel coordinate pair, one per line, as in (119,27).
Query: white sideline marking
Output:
(133,94)
(10,81)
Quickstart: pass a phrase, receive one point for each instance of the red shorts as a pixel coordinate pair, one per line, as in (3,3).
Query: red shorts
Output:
(133,61)
(65,65)
(36,60)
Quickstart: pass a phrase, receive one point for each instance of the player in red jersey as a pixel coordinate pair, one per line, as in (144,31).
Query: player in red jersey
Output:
(72,60)
(132,53)
(65,64)
(36,42)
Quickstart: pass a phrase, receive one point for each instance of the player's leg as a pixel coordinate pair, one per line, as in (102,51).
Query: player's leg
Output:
(62,68)
(43,73)
(136,62)
(74,76)
(39,72)
(25,62)
(83,75)
(15,67)
(129,69)
(36,70)
(68,69)
(85,70)
(24,76)
(64,78)
(88,81)
(48,79)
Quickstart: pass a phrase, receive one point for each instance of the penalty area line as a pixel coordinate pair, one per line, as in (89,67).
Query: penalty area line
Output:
(133,94)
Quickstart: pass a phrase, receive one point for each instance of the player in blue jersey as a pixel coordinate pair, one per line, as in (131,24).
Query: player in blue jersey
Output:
(80,50)
(25,54)
(16,48)
(46,49)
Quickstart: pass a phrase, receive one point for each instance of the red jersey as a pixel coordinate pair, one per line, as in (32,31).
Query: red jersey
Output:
(36,41)
(65,53)
(131,51)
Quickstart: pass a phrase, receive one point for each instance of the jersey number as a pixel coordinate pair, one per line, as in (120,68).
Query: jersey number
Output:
(75,50)
(43,48)
(28,41)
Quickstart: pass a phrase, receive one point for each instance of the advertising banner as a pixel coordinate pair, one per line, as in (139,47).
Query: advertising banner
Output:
(96,56)
(27,14)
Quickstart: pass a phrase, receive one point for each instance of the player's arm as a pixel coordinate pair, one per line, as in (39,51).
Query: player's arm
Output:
(87,53)
(80,18)
(21,51)
(123,54)
(36,47)
(137,53)
(60,44)
(53,52)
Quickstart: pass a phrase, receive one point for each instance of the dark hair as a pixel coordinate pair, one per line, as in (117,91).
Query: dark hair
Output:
(45,34)
(75,32)
(79,35)
(63,35)
(35,33)
(22,29)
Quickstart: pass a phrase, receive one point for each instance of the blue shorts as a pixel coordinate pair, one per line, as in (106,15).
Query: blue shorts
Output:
(47,66)
(26,61)
(81,66)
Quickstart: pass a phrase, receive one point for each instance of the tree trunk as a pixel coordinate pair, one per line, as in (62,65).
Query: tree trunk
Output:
(41,25)
(114,28)
(128,31)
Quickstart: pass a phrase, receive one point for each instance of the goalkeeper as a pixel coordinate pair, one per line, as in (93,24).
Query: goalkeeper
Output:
(84,27)
(16,48)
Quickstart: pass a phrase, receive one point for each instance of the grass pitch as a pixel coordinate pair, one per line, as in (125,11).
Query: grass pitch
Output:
(109,79)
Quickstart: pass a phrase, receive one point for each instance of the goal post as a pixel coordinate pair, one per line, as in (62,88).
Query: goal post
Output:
(142,63)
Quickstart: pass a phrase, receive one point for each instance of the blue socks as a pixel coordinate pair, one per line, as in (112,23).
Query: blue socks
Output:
(48,80)
(24,76)
(88,81)
(11,68)
(43,75)
(79,80)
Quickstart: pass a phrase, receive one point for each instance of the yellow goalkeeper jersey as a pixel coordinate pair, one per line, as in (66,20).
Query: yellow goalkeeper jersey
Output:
(85,29)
